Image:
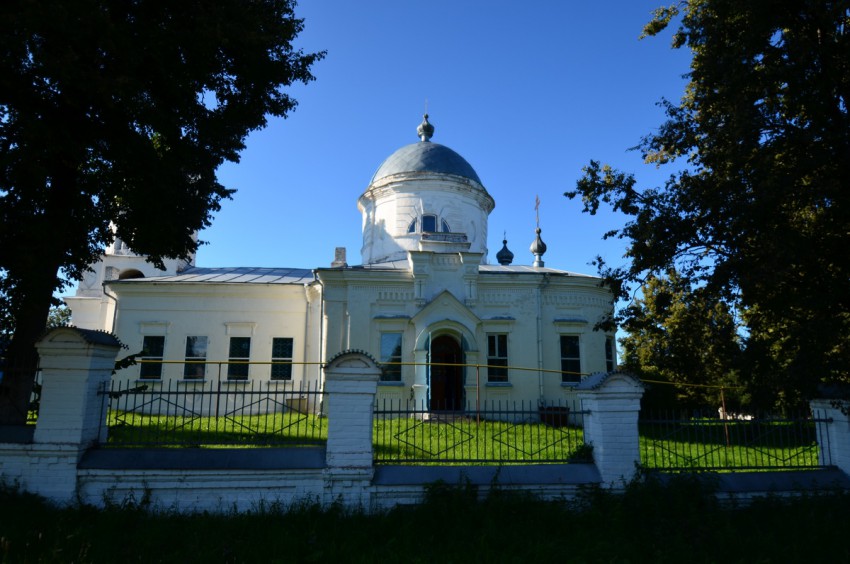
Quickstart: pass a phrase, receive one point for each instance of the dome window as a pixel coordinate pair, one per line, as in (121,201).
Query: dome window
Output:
(429,223)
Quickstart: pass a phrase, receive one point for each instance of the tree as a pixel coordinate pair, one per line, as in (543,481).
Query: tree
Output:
(757,211)
(681,336)
(58,316)
(120,113)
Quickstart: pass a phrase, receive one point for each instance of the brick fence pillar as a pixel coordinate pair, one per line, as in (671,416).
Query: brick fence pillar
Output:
(833,433)
(74,364)
(612,403)
(351,382)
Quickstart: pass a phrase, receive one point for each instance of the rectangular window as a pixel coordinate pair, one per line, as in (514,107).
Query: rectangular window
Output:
(281,352)
(570,359)
(497,357)
(429,223)
(152,351)
(391,354)
(196,356)
(609,354)
(240,354)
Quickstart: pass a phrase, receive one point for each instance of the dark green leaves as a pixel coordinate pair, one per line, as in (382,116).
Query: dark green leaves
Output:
(758,212)
(120,113)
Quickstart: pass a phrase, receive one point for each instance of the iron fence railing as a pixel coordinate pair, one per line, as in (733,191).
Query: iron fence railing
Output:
(735,442)
(212,413)
(490,432)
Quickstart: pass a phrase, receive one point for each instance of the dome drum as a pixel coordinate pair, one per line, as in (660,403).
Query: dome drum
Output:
(424,196)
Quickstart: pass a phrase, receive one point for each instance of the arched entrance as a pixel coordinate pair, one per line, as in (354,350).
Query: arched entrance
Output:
(446,381)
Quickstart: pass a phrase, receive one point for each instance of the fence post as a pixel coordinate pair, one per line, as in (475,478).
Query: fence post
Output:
(833,436)
(612,404)
(351,382)
(74,363)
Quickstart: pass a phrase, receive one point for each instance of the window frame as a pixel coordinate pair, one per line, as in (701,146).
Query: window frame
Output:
(391,373)
(240,370)
(285,369)
(191,364)
(430,216)
(570,365)
(497,358)
(610,357)
(440,224)
(151,370)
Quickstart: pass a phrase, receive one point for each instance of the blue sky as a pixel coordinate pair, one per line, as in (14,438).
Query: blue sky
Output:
(528,92)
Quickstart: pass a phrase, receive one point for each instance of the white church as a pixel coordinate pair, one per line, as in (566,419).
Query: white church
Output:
(447,326)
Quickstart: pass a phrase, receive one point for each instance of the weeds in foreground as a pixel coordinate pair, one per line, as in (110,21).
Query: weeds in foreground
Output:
(651,521)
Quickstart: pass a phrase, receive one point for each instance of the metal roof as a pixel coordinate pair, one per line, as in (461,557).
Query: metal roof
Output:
(425,156)
(391,265)
(250,275)
(228,275)
(520,269)
(483,269)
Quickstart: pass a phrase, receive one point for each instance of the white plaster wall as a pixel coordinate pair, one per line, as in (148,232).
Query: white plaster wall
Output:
(219,311)
(441,292)
(203,490)
(388,207)
(91,312)
(227,491)
(835,435)
(91,307)
(48,470)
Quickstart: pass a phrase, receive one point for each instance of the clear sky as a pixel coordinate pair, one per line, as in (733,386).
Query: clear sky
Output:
(528,92)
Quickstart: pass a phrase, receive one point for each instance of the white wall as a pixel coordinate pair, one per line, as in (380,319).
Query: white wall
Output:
(220,311)
(388,207)
(446,293)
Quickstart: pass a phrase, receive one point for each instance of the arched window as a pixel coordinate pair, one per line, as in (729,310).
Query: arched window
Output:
(429,225)
(130,273)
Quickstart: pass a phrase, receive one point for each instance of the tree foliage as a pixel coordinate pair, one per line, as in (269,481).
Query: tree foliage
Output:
(120,113)
(683,341)
(58,316)
(756,211)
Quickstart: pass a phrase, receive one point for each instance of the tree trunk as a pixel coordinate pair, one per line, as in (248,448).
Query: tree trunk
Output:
(16,387)
(22,362)
(37,274)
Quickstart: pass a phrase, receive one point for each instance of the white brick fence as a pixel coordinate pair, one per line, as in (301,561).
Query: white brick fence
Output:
(60,463)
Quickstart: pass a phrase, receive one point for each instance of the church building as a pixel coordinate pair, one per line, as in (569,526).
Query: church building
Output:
(447,327)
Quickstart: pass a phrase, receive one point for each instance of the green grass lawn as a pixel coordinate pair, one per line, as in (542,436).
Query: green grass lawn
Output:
(464,439)
(274,429)
(461,439)
(714,444)
(650,522)
(395,440)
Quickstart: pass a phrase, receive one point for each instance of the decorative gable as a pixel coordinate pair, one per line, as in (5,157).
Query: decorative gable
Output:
(446,307)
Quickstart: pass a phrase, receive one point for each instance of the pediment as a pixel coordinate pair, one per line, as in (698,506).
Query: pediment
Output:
(445,306)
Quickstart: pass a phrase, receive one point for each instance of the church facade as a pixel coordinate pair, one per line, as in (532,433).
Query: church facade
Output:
(447,327)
